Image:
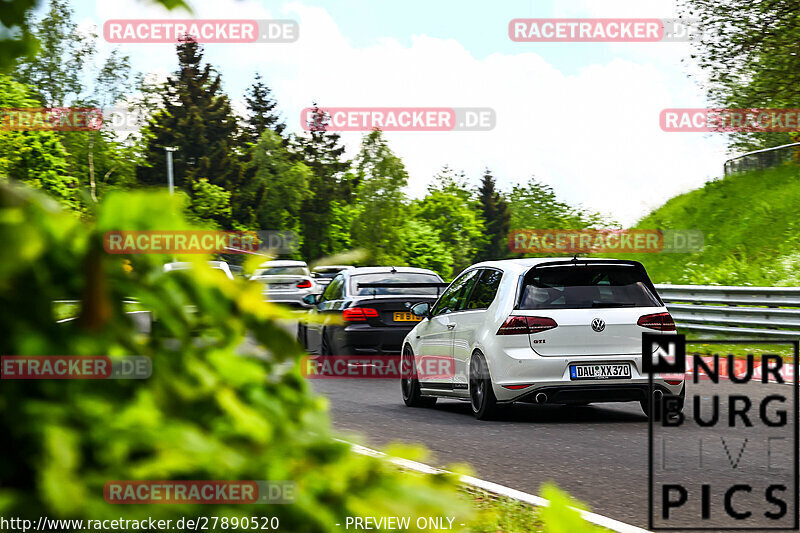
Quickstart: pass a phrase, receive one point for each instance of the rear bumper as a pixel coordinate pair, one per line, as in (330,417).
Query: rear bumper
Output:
(618,392)
(294,298)
(522,366)
(362,339)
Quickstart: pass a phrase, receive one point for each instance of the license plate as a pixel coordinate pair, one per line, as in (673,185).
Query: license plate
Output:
(600,371)
(406,317)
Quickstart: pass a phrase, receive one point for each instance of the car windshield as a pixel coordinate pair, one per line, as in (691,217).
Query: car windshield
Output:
(586,287)
(282,271)
(399,277)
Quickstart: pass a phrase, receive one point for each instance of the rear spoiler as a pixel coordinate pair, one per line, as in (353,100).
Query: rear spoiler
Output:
(437,284)
(575,261)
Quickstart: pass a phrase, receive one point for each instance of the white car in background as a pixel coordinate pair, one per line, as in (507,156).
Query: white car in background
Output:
(216,265)
(286,282)
(543,330)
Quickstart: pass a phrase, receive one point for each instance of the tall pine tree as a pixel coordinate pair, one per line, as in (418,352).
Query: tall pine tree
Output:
(261,117)
(496,218)
(196,117)
(262,111)
(321,151)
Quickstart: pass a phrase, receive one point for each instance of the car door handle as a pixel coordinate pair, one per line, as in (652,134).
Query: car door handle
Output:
(450,326)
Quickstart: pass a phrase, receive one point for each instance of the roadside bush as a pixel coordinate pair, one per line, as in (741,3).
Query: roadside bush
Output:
(208,412)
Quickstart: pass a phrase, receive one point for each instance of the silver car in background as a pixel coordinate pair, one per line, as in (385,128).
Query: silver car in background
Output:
(286,282)
(323,274)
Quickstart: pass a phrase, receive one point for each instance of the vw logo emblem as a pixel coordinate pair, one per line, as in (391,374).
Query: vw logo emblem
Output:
(598,324)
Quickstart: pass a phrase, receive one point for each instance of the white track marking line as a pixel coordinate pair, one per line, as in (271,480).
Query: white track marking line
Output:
(502,490)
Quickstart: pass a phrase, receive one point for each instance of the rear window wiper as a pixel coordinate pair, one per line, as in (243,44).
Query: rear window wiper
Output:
(612,304)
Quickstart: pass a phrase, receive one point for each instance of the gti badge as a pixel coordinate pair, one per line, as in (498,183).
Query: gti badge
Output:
(598,325)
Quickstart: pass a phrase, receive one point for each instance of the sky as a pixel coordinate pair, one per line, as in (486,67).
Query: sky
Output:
(580,117)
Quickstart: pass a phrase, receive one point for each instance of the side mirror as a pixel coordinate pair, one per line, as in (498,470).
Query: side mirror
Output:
(422,310)
(311,299)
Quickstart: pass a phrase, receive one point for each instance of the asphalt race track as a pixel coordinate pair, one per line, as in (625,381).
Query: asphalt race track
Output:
(599,453)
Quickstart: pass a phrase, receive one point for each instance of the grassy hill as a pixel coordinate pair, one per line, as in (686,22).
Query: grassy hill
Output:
(751,225)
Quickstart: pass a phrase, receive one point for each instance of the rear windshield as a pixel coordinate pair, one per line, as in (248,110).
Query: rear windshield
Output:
(586,287)
(282,271)
(399,277)
(329,270)
(326,274)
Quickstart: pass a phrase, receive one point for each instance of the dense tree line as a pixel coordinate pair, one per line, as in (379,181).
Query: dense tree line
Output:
(248,172)
(748,52)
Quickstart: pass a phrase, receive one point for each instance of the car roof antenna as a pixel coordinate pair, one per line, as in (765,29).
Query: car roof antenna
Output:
(393,270)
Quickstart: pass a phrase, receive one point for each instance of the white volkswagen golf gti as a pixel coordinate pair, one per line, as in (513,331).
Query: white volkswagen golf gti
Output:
(543,330)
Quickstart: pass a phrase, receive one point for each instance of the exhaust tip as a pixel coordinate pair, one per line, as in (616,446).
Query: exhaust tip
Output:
(541,398)
(657,395)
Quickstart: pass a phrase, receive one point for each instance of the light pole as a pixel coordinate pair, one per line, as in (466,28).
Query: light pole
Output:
(170,177)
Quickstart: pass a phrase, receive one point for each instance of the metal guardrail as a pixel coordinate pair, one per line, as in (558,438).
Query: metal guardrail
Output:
(742,311)
(762,159)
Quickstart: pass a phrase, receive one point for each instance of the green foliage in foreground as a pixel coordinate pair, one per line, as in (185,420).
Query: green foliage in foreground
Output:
(206,412)
(561,515)
(502,515)
(751,225)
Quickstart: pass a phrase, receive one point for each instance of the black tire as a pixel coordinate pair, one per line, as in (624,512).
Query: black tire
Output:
(324,346)
(645,405)
(412,395)
(481,395)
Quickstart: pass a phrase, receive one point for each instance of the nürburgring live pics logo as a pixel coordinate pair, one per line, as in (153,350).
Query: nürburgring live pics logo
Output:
(728,460)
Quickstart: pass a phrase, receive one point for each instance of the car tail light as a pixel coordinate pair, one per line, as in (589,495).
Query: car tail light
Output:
(657,321)
(674,381)
(517,387)
(305,284)
(358,314)
(526,325)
